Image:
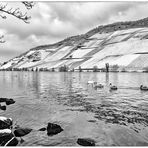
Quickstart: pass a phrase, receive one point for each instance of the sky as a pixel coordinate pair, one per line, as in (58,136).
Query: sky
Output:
(53,21)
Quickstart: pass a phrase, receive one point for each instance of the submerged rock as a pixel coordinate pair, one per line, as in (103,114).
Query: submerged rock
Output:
(5,123)
(86,142)
(53,129)
(7,138)
(19,132)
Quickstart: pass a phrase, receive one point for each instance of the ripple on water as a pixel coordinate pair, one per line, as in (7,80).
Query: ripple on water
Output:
(109,117)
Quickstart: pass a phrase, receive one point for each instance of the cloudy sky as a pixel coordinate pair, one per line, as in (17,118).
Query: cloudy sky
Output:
(54,21)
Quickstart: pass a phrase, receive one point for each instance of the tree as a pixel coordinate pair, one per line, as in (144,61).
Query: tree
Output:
(115,67)
(80,69)
(16,12)
(95,69)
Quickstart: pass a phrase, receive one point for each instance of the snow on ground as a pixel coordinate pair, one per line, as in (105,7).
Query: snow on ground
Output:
(30,53)
(60,53)
(89,43)
(127,48)
(51,64)
(101,35)
(51,49)
(28,64)
(80,52)
(118,38)
(119,60)
(44,54)
(140,61)
(71,61)
(21,63)
(9,64)
(115,50)
(125,60)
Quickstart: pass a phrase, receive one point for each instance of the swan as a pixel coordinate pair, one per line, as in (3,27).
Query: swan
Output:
(113,87)
(90,83)
(143,87)
(99,86)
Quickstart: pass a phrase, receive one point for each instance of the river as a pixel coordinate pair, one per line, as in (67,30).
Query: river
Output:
(111,118)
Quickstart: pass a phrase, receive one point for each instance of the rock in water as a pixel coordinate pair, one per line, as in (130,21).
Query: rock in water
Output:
(53,129)
(86,142)
(9,101)
(3,99)
(3,107)
(19,132)
(7,138)
(5,123)
(42,129)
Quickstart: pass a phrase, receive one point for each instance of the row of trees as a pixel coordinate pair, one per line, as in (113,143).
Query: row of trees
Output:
(65,68)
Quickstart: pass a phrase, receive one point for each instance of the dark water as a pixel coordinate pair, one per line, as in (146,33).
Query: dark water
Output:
(109,117)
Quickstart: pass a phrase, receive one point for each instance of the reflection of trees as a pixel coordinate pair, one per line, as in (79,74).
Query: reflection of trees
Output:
(107,78)
(36,83)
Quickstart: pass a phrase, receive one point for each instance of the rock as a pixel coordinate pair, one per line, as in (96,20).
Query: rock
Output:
(53,129)
(86,142)
(3,107)
(7,101)
(10,101)
(42,129)
(19,132)
(5,123)
(7,138)
(12,142)
(3,100)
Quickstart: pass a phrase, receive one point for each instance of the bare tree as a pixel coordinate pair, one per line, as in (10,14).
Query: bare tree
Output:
(29,4)
(16,12)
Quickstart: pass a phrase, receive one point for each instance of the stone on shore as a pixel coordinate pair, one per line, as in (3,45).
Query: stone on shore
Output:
(42,129)
(5,123)
(7,138)
(53,129)
(12,142)
(10,101)
(86,142)
(3,107)
(7,101)
(20,132)
(2,100)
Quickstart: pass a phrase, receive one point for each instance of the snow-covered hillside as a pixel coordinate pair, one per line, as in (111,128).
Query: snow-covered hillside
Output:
(124,48)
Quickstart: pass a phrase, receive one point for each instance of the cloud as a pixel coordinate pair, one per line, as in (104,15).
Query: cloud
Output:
(54,21)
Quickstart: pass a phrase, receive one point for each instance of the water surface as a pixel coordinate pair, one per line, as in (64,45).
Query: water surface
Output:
(109,117)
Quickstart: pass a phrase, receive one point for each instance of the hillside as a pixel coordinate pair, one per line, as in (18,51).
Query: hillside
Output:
(124,45)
